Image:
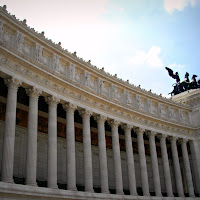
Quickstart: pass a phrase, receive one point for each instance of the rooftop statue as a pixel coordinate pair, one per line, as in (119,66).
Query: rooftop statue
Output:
(184,85)
(171,73)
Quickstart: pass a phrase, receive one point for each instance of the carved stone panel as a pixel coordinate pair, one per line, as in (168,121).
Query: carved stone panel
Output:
(19,41)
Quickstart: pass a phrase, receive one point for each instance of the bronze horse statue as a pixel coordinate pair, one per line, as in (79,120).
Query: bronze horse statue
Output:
(184,85)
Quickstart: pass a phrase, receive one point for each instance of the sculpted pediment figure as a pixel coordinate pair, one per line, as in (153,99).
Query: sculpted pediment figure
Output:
(19,41)
(38,53)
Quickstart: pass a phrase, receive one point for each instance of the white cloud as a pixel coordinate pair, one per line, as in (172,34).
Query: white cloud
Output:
(171,5)
(122,9)
(151,58)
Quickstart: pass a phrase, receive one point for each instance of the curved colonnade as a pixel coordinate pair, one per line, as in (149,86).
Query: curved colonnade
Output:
(19,69)
(33,93)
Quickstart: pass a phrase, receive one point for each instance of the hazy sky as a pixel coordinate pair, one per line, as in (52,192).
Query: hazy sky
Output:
(134,39)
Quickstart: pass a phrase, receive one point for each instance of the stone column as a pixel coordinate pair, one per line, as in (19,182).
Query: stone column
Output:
(154,163)
(195,164)
(102,154)
(197,155)
(87,151)
(116,157)
(142,160)
(166,168)
(130,160)
(31,155)
(9,131)
(187,168)
(177,170)
(70,146)
(52,141)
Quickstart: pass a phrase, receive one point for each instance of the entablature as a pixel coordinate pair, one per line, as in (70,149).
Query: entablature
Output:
(83,99)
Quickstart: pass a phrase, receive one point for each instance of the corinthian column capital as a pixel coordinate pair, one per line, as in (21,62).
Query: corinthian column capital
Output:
(34,92)
(139,131)
(12,82)
(172,138)
(127,127)
(69,107)
(183,140)
(85,113)
(113,123)
(161,136)
(52,100)
(151,133)
(100,118)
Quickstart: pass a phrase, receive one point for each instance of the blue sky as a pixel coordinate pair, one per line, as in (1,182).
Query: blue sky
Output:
(134,39)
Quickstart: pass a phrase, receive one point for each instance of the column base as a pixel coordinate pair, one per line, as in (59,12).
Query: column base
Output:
(7,180)
(90,190)
(105,192)
(120,193)
(159,195)
(146,194)
(53,186)
(134,194)
(34,184)
(72,189)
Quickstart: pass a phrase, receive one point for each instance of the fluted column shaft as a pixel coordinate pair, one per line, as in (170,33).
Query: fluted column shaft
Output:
(9,131)
(31,156)
(87,151)
(154,163)
(116,157)
(177,170)
(195,157)
(102,154)
(187,168)
(130,160)
(70,146)
(165,160)
(52,141)
(142,160)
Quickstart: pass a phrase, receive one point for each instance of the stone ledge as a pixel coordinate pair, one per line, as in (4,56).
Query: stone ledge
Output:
(10,191)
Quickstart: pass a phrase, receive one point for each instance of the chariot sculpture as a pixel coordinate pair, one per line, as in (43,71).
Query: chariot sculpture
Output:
(182,86)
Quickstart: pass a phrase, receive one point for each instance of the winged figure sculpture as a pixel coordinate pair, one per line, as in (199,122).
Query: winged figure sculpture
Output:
(173,75)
